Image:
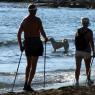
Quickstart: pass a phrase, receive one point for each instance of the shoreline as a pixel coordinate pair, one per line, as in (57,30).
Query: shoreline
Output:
(68,90)
(52,4)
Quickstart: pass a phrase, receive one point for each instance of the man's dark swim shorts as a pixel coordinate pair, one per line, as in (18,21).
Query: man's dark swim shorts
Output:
(33,46)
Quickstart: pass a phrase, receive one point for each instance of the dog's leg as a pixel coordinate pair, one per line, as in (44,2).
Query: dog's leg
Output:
(54,50)
(66,49)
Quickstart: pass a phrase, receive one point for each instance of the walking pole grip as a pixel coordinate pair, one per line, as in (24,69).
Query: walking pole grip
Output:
(17,71)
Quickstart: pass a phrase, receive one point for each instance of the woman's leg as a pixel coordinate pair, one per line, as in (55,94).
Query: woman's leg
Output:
(78,66)
(87,65)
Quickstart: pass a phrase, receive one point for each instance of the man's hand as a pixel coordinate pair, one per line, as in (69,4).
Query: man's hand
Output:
(21,48)
(46,39)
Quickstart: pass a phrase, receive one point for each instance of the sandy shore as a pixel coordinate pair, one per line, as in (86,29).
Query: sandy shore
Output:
(70,90)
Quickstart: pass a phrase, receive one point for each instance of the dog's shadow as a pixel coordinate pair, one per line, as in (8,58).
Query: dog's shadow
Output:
(59,53)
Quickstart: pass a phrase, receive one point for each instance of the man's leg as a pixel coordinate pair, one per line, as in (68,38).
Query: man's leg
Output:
(34,61)
(27,70)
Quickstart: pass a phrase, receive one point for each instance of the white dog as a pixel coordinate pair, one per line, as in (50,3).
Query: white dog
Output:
(56,44)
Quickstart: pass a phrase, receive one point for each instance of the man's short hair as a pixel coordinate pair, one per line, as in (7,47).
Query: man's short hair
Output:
(32,7)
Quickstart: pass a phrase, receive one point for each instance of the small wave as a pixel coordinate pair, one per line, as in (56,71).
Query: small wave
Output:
(9,73)
(58,71)
(65,70)
(8,33)
(13,42)
(39,73)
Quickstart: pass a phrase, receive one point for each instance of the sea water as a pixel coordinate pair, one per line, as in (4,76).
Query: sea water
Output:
(58,23)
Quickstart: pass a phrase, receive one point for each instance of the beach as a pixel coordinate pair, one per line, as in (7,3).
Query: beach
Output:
(70,90)
(59,23)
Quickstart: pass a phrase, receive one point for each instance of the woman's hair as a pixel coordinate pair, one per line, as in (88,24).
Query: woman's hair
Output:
(85,21)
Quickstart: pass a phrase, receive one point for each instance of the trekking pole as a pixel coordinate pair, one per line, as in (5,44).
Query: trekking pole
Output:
(91,64)
(92,61)
(16,72)
(44,62)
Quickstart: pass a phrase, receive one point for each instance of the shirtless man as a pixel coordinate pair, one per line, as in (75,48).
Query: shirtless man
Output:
(32,28)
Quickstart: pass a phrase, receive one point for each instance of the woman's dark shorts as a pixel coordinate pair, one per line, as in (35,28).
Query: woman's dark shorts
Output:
(33,47)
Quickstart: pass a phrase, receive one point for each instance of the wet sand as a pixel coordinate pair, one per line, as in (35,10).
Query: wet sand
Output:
(69,90)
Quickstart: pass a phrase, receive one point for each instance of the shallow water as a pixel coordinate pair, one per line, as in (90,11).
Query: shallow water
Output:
(59,23)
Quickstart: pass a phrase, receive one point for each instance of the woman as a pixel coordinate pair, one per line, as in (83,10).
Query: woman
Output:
(84,44)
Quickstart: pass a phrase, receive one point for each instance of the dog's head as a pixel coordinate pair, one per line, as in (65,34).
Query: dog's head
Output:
(65,41)
(66,44)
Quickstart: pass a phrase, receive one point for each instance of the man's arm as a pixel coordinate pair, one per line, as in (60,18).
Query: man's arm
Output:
(42,31)
(19,37)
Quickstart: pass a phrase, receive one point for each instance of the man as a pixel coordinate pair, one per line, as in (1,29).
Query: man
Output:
(84,44)
(32,28)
